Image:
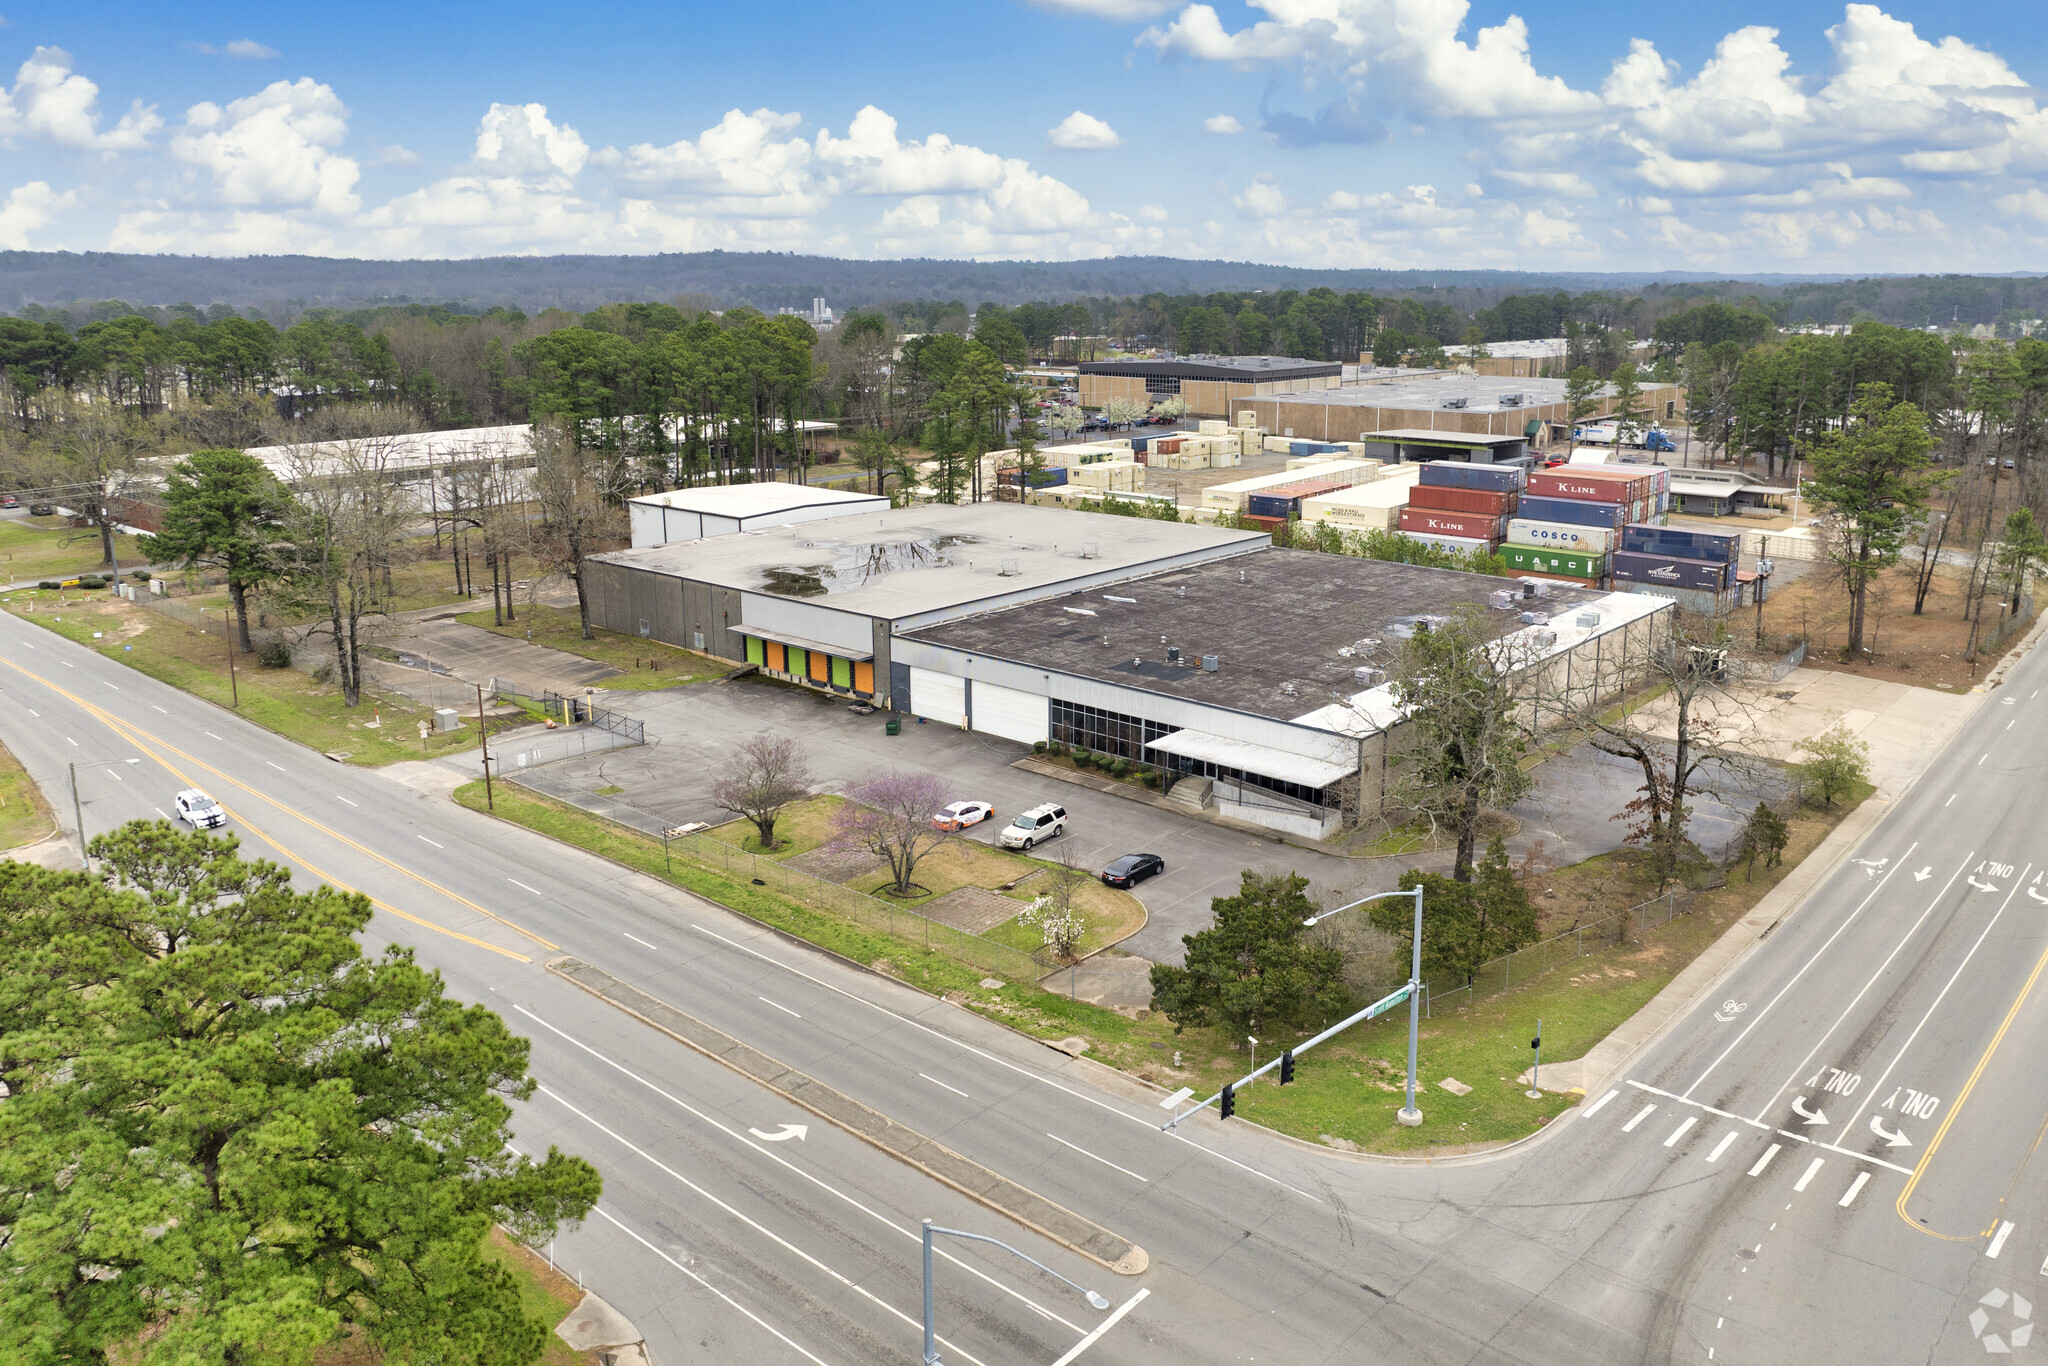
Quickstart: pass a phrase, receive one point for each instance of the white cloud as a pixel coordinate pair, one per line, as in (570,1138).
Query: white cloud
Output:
(28,208)
(245,232)
(247,48)
(1221,123)
(1079,132)
(870,159)
(52,102)
(1154,213)
(520,140)
(1262,198)
(274,148)
(2031,202)
(1563,184)
(1107,9)
(753,165)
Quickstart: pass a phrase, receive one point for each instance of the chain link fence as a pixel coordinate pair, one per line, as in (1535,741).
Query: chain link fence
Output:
(1576,943)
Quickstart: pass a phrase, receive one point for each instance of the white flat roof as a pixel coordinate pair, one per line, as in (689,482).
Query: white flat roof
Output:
(752,500)
(1288,767)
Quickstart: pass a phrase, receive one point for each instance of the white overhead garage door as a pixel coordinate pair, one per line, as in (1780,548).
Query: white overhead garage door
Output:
(938,697)
(1014,715)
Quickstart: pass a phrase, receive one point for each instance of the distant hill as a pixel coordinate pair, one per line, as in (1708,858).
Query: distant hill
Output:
(766,280)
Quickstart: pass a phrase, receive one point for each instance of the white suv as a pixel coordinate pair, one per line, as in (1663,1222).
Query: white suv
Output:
(202,811)
(1035,826)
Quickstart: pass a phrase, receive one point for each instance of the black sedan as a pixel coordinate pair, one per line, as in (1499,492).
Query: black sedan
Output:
(1132,869)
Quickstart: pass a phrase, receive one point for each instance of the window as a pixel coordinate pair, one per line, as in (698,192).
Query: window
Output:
(1105,732)
(1162,384)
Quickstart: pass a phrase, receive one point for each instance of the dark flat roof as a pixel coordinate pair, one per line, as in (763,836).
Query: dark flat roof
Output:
(1245,369)
(1276,617)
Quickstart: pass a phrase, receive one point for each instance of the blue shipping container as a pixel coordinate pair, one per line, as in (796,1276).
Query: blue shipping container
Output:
(1609,515)
(1272,505)
(1460,474)
(1690,545)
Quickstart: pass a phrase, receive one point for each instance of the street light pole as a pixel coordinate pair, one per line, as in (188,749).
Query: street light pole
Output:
(1409,1115)
(931,1347)
(78,808)
(483,733)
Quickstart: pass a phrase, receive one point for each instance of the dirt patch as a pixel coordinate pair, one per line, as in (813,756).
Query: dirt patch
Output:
(1926,650)
(835,864)
(974,909)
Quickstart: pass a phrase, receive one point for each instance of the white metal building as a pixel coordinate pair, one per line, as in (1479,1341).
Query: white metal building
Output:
(724,509)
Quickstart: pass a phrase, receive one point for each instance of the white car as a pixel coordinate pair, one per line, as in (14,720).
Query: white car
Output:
(1035,826)
(960,815)
(202,811)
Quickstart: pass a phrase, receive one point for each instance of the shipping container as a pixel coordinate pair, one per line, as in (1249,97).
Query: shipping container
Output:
(1586,540)
(1553,561)
(1468,544)
(1671,571)
(1693,545)
(1608,515)
(1470,525)
(1590,485)
(1230,497)
(1050,477)
(1464,500)
(1459,474)
(1563,578)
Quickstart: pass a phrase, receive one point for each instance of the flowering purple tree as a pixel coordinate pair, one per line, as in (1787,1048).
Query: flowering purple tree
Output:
(890,816)
(764,775)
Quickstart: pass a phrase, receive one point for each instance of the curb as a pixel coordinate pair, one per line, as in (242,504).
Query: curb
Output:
(935,1160)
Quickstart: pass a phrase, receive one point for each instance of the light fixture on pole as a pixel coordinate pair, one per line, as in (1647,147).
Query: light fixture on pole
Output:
(931,1340)
(78,808)
(1409,1115)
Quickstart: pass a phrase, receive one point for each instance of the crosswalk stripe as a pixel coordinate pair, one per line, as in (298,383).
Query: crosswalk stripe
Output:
(1598,1105)
(1680,1131)
(1641,1115)
(1854,1187)
(1765,1160)
(1808,1175)
(1721,1147)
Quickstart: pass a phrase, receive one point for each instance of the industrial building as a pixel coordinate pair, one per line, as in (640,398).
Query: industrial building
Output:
(1473,405)
(728,509)
(1211,386)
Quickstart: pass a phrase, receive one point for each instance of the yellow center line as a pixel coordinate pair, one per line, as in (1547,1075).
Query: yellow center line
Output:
(1957,1108)
(135,735)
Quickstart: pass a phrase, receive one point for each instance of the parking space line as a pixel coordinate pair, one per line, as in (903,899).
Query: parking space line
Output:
(1641,1115)
(1765,1160)
(1807,1176)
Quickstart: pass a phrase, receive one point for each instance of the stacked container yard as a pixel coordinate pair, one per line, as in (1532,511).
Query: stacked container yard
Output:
(1275,506)
(1374,506)
(1695,567)
(1459,506)
(1572,518)
(1231,497)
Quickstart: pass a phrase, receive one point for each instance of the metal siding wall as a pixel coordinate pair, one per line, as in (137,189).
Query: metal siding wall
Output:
(826,625)
(646,521)
(609,587)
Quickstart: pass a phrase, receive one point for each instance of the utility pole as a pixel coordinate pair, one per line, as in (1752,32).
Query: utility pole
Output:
(78,814)
(234,688)
(484,734)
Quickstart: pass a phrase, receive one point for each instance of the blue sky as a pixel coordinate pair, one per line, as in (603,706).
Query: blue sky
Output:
(1717,136)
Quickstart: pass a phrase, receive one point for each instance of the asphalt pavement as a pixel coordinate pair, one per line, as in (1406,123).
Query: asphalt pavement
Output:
(1689,1211)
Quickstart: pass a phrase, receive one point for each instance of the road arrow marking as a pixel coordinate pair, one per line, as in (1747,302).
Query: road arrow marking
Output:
(1871,867)
(1809,1116)
(1923,874)
(1981,886)
(1891,1140)
(795,1131)
(2036,895)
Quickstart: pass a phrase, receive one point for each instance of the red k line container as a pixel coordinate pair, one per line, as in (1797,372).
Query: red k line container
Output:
(1466,525)
(1591,485)
(1463,500)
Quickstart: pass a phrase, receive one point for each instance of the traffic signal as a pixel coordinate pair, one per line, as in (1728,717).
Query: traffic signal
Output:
(1229,1100)
(1287,1067)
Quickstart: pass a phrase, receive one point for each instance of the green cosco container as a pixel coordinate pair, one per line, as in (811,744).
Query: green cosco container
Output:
(1544,560)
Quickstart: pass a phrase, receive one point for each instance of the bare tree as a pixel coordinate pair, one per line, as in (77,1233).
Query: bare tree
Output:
(579,496)
(91,461)
(890,816)
(348,526)
(761,779)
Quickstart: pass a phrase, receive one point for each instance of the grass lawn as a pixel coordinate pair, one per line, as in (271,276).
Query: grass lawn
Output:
(282,700)
(646,663)
(798,830)
(544,1294)
(1348,1090)
(47,548)
(24,815)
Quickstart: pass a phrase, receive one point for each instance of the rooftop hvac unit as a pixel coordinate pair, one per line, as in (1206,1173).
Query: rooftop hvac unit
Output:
(1008,569)
(1367,677)
(1588,620)
(1543,640)
(1454,403)
(1535,588)
(1090,550)
(1535,618)
(1173,654)
(1513,400)
(1211,663)
(1504,599)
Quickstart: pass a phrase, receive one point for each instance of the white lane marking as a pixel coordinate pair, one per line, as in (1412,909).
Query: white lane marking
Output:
(1103,1327)
(1808,1175)
(987,1056)
(784,1009)
(66,663)
(33,712)
(1721,1147)
(791,1342)
(2044,1267)
(524,888)
(913,1235)
(338,797)
(1980,761)
(115,776)
(117,687)
(1869,982)
(71,742)
(1103,1160)
(159,811)
(1998,1239)
(754,1224)
(1680,1131)
(435,843)
(216,737)
(1939,999)
(1854,1187)
(638,940)
(1641,1115)
(954,1089)
(1951,800)
(279,767)
(1765,1160)
(1807,1139)
(2009,724)
(1594,1108)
